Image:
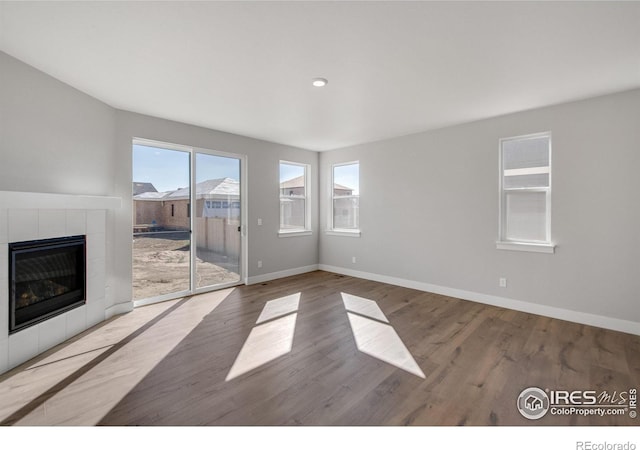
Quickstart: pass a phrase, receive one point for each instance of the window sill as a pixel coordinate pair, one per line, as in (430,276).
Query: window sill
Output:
(294,233)
(348,233)
(526,247)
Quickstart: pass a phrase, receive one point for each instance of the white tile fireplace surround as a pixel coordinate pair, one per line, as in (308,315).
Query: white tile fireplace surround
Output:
(26,216)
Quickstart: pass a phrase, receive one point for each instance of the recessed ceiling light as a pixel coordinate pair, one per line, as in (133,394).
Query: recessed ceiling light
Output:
(319,82)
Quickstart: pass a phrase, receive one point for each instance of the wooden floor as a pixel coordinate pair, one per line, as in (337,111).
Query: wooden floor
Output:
(168,364)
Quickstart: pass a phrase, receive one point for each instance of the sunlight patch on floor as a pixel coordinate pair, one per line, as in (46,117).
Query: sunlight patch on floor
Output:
(363,306)
(279,307)
(265,343)
(376,338)
(270,338)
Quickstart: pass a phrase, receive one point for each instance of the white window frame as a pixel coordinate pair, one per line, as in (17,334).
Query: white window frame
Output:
(307,202)
(542,246)
(331,230)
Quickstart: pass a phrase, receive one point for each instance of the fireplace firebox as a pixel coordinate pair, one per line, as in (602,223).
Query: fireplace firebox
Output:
(46,278)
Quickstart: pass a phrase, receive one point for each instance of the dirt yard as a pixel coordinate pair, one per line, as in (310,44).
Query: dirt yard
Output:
(161,266)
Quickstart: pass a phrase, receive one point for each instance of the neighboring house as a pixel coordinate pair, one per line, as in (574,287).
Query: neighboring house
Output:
(141,188)
(219,198)
(149,210)
(295,186)
(215,198)
(346,209)
(292,203)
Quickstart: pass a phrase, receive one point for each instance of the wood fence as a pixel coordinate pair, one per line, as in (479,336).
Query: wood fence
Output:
(220,235)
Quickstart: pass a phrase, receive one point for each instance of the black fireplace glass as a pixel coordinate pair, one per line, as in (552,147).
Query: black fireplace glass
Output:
(46,278)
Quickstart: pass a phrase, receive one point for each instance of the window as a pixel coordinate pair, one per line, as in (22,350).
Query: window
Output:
(525,193)
(345,193)
(173,210)
(294,198)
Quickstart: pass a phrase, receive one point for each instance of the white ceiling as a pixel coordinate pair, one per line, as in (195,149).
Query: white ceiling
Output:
(394,68)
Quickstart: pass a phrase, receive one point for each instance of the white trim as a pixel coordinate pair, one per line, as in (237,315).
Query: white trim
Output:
(282,274)
(347,163)
(526,190)
(218,287)
(162,298)
(527,136)
(41,200)
(120,308)
(161,144)
(527,171)
(526,247)
(244,214)
(347,233)
(339,197)
(293,233)
(611,323)
(192,208)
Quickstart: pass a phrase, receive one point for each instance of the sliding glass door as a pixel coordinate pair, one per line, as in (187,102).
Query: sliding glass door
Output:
(187,221)
(161,224)
(217,221)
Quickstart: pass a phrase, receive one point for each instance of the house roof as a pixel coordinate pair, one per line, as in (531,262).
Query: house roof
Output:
(141,188)
(298,182)
(341,187)
(208,188)
(293,183)
(151,195)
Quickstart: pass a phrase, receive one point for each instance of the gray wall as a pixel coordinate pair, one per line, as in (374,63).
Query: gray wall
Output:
(277,254)
(429,209)
(53,138)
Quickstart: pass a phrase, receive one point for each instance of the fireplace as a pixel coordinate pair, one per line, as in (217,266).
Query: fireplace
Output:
(46,278)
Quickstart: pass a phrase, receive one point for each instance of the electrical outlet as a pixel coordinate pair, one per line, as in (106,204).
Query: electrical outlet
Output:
(353,259)
(259,264)
(502,282)
(259,222)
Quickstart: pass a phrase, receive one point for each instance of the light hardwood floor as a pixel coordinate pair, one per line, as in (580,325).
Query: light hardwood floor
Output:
(170,363)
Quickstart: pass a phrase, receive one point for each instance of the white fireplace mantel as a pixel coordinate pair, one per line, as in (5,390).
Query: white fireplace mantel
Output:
(37,200)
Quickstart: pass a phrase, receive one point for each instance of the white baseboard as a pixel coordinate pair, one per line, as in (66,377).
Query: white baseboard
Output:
(120,308)
(281,274)
(610,323)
